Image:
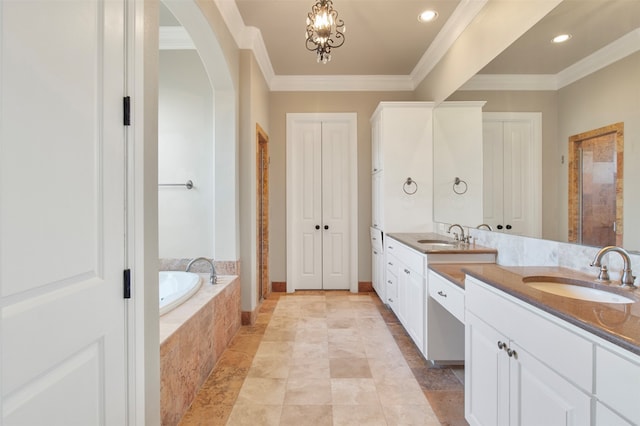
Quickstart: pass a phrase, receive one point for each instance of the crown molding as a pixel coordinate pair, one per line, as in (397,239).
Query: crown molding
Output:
(511,82)
(175,38)
(613,52)
(341,83)
(460,19)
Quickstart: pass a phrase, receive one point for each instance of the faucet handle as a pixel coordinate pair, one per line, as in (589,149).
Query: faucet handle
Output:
(603,275)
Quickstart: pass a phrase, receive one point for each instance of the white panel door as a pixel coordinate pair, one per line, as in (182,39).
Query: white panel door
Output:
(62,213)
(336,206)
(320,202)
(307,210)
(512,156)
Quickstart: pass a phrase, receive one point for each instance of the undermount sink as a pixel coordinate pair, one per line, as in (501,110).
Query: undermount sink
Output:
(577,291)
(437,242)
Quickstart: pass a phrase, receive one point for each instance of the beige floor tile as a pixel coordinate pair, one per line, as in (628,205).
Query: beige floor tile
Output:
(306,415)
(354,392)
(275,349)
(312,323)
(309,368)
(349,368)
(260,391)
(308,392)
(269,367)
(310,350)
(252,415)
(280,335)
(361,415)
(312,335)
(353,349)
(405,415)
(400,392)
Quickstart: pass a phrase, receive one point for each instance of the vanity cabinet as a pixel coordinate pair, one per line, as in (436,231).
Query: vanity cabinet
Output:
(406,287)
(526,366)
(402,148)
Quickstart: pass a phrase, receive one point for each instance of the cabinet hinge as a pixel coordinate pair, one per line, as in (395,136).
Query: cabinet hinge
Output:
(126,280)
(126,109)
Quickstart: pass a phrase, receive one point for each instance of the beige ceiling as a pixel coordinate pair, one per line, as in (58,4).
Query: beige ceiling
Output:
(384,37)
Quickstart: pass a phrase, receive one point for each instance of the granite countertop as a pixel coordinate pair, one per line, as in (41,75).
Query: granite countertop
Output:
(452,246)
(616,323)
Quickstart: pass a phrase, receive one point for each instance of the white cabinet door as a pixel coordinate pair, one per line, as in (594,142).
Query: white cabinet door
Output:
(321,211)
(403,307)
(376,200)
(415,295)
(540,396)
(486,373)
(62,180)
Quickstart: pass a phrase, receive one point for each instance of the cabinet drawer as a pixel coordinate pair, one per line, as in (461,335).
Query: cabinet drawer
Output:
(411,258)
(449,295)
(548,339)
(618,382)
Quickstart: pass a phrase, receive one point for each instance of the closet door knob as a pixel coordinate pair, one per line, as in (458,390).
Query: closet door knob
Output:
(317,226)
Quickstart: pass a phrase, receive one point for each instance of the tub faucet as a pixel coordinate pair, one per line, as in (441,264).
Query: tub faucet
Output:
(213,277)
(626,279)
(462,237)
(484,225)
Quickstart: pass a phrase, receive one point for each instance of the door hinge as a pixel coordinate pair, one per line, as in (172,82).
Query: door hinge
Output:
(126,104)
(126,279)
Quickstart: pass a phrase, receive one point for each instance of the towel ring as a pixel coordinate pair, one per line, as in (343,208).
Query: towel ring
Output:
(407,184)
(457,182)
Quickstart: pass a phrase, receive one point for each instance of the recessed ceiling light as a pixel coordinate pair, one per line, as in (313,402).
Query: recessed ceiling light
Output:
(561,38)
(427,16)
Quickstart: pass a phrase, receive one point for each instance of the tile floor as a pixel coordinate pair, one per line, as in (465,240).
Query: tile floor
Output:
(326,358)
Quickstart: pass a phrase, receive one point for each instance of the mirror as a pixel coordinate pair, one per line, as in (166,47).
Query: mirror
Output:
(587,83)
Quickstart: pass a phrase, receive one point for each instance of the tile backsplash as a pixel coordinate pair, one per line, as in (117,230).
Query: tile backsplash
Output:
(524,251)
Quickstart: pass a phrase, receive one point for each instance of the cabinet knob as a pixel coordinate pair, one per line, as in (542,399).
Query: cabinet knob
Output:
(502,345)
(317,226)
(508,227)
(406,271)
(326,227)
(499,226)
(391,300)
(389,282)
(443,294)
(512,353)
(390,263)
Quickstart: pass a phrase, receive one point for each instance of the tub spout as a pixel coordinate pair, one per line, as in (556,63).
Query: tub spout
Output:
(214,276)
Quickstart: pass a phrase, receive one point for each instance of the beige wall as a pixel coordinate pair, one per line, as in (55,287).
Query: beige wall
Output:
(281,103)
(608,96)
(254,109)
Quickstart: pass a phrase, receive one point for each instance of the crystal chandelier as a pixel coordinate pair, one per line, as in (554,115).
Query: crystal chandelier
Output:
(324,30)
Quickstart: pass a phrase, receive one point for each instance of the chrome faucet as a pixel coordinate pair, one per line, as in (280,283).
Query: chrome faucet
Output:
(626,279)
(484,225)
(462,237)
(213,277)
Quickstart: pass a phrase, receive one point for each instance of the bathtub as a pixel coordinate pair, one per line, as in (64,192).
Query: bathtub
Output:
(176,287)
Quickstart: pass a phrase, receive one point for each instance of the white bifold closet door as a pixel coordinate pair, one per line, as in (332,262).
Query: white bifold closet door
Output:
(320,202)
(62,213)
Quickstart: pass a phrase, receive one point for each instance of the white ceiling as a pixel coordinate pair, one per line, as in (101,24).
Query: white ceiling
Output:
(385,40)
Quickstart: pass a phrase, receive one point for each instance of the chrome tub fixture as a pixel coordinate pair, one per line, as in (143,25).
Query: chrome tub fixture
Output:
(213,277)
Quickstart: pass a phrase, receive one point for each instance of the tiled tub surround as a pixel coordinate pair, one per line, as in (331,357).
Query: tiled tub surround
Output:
(193,336)
(223,267)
